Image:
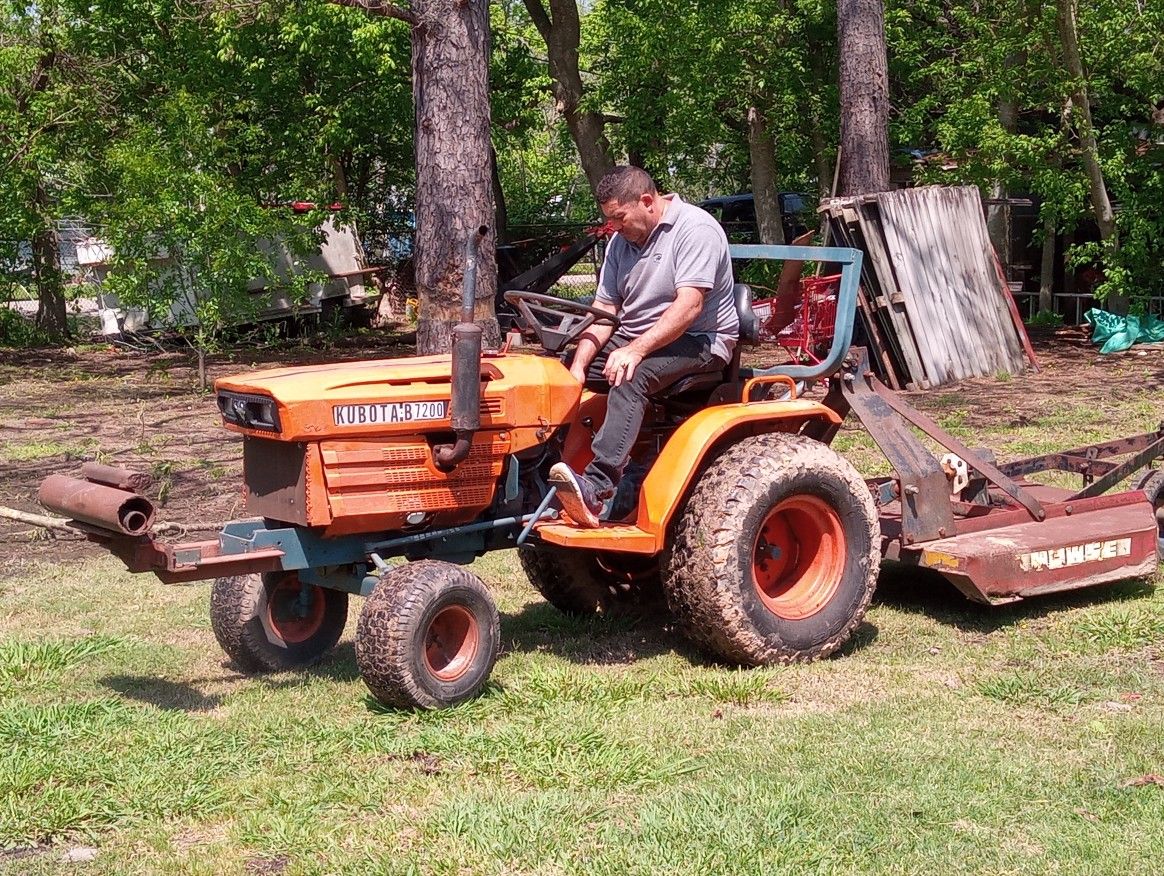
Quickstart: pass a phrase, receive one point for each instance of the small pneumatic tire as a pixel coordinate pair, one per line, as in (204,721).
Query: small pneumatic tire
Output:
(428,636)
(1152,483)
(271,622)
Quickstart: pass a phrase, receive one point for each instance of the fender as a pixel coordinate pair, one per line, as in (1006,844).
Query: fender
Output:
(682,456)
(667,483)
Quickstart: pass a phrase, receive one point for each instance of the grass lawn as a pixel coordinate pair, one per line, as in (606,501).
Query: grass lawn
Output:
(947,738)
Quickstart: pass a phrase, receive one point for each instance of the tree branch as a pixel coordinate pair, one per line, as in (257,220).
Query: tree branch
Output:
(377,7)
(540,18)
(61,524)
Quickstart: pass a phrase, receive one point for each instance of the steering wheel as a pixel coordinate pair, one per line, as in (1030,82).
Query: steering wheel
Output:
(572,318)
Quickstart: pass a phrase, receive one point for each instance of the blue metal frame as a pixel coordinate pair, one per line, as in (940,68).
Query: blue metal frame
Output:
(326,561)
(850,262)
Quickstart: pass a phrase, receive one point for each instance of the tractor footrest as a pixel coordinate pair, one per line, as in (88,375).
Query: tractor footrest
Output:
(621,537)
(1036,557)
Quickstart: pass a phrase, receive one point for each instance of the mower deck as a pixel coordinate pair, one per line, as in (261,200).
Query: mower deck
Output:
(1096,542)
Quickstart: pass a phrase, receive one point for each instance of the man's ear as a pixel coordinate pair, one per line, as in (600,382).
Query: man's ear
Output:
(647,200)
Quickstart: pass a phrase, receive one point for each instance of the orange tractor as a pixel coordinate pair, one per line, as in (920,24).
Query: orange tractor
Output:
(765,542)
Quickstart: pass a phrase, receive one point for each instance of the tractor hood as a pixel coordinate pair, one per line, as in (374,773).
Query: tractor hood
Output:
(392,396)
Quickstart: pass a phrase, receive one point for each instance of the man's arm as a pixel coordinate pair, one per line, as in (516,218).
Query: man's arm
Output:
(591,342)
(676,319)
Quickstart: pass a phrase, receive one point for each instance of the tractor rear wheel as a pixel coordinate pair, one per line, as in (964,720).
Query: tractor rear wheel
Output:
(428,636)
(776,555)
(584,583)
(1152,483)
(271,622)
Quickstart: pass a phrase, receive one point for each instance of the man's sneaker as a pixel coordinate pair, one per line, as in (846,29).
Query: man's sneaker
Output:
(577,496)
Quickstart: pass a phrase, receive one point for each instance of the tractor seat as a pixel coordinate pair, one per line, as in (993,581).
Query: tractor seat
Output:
(709,380)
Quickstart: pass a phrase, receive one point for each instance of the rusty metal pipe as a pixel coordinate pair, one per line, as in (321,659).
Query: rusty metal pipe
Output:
(98,505)
(113,476)
(469,291)
(447,457)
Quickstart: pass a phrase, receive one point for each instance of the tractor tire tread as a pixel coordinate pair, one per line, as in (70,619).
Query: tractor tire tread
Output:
(708,532)
(235,603)
(386,630)
(564,579)
(572,581)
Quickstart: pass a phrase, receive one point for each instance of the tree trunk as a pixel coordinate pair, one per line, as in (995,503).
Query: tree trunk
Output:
(1047,268)
(816,133)
(46,254)
(765,190)
(339,178)
(562,34)
(998,215)
(51,317)
(820,154)
(1069,34)
(500,211)
(454,193)
(864,84)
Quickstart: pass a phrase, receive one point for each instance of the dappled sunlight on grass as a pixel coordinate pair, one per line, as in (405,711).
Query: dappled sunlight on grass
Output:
(939,737)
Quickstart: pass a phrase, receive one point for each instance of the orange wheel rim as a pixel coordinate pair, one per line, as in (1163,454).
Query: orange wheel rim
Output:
(288,616)
(450,643)
(798,558)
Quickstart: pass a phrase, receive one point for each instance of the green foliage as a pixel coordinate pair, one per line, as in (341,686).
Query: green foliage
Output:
(681,78)
(178,132)
(536,158)
(18,332)
(1046,319)
(953,65)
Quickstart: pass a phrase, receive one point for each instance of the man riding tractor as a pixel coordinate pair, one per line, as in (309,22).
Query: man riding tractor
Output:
(667,276)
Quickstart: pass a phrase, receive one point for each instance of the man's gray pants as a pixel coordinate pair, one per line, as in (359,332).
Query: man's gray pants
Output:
(626,404)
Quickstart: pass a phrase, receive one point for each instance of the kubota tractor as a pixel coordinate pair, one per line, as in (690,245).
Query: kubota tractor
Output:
(765,542)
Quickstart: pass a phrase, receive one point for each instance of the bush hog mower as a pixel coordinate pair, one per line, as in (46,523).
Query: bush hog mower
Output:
(764,541)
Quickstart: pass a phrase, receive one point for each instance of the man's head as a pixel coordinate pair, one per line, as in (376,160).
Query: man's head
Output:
(630,202)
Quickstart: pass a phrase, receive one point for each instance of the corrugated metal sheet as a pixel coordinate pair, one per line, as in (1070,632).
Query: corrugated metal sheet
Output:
(937,239)
(939,299)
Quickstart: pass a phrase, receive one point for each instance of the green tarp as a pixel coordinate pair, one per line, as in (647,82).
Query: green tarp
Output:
(1117,333)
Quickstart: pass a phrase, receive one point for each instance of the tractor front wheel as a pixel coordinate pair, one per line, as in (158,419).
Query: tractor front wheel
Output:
(428,636)
(776,555)
(271,622)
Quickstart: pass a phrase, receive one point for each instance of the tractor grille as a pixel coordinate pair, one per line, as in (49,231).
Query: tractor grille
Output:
(395,478)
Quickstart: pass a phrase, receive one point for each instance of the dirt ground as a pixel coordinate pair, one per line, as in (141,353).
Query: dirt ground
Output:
(145,412)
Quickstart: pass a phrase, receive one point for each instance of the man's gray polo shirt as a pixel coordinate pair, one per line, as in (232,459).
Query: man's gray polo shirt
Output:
(687,248)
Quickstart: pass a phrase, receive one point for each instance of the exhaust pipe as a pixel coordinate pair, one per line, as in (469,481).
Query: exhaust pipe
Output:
(465,401)
(97,505)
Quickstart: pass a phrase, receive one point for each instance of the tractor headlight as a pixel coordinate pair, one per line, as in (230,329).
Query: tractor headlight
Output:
(249,411)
